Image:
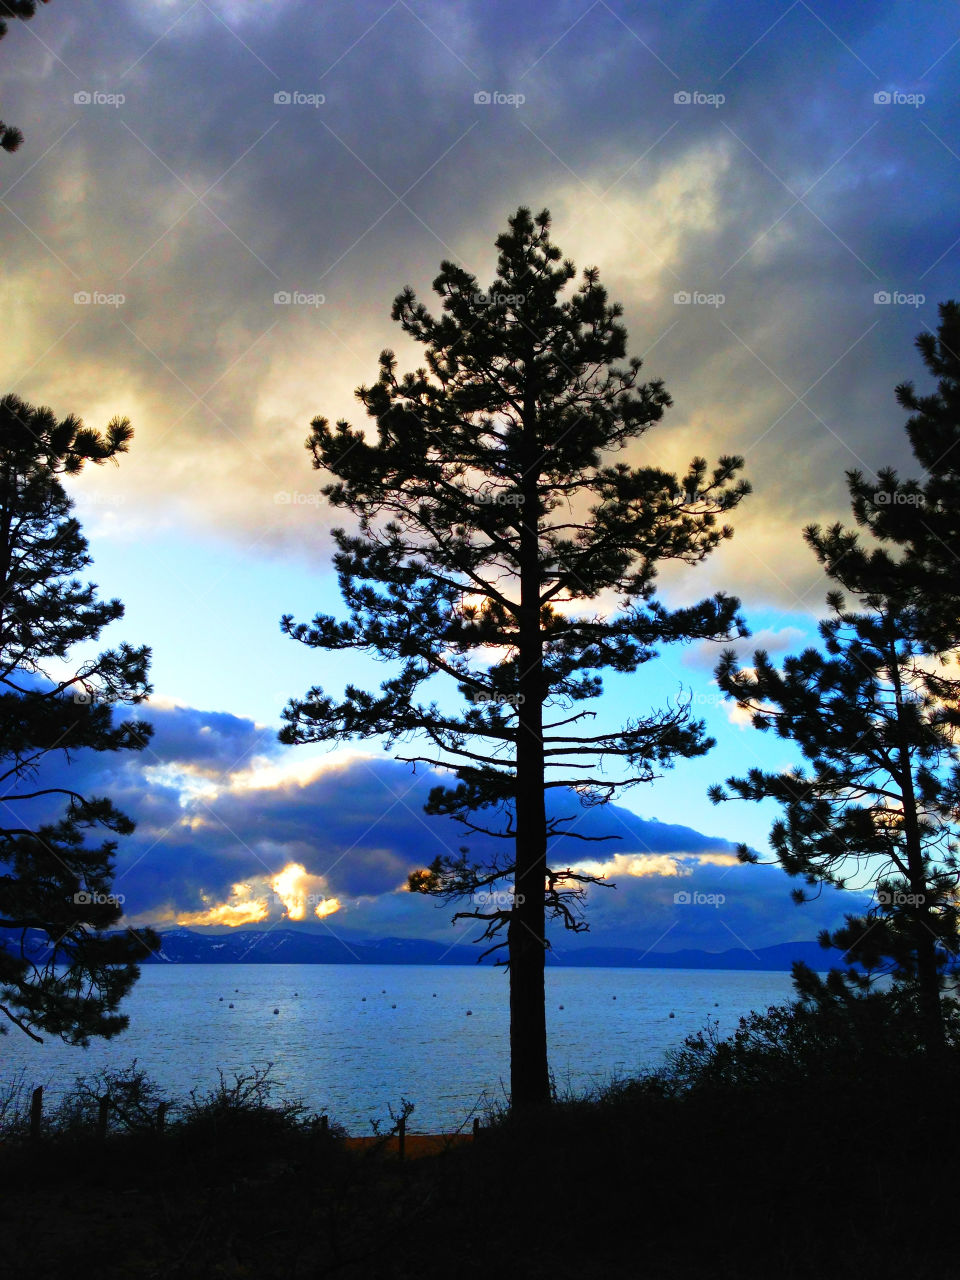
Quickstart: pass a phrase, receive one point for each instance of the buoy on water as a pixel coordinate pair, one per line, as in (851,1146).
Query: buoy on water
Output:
(276,1011)
(469,1013)
(673,1015)
(230,1006)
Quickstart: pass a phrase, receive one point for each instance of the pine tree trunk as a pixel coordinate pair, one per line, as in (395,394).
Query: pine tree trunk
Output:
(529,1073)
(924,936)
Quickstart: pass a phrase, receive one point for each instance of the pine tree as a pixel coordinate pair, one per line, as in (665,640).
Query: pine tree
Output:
(11,137)
(60,971)
(914,525)
(486,511)
(878,800)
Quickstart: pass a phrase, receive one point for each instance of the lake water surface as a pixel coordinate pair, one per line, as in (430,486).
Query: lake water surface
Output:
(349,1039)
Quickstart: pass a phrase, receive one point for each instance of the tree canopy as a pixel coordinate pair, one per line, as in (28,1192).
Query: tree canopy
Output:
(487,512)
(876,714)
(60,971)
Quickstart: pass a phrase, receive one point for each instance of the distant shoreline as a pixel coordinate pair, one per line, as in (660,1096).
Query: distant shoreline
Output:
(185,946)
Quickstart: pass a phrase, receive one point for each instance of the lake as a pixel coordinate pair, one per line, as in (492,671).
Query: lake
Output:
(349,1039)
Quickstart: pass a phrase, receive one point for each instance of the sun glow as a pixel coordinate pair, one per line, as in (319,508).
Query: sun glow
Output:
(285,896)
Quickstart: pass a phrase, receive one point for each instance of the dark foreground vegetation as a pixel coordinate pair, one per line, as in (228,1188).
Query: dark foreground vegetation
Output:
(819,1141)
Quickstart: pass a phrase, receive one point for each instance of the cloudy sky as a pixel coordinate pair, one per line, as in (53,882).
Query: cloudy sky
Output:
(791,168)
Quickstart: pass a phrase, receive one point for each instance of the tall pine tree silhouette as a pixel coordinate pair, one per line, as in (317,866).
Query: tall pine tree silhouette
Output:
(877,715)
(914,525)
(486,511)
(60,970)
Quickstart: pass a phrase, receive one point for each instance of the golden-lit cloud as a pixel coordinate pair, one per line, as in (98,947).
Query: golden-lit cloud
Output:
(637,865)
(298,890)
(288,895)
(243,908)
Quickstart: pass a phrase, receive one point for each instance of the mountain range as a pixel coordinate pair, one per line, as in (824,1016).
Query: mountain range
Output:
(290,946)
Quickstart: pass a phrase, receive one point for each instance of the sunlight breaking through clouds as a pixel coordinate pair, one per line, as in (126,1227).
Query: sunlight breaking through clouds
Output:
(291,894)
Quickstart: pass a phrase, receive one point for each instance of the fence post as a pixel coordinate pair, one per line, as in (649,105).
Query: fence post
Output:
(324,1123)
(161,1116)
(476,1128)
(102,1112)
(401,1135)
(36,1111)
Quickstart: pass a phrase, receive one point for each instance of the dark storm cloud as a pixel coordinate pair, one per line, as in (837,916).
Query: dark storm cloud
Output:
(797,197)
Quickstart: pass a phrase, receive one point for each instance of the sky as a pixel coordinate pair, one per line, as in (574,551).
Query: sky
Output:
(768,189)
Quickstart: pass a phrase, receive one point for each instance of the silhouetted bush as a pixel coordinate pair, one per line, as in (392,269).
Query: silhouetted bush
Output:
(133,1103)
(830,1036)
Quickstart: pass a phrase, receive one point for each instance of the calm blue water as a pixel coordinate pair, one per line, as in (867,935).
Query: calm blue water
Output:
(349,1039)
